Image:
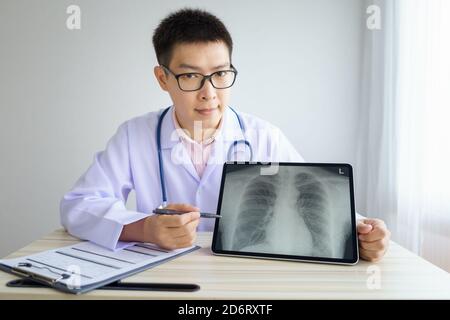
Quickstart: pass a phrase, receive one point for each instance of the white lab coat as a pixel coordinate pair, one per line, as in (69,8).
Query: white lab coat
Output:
(94,209)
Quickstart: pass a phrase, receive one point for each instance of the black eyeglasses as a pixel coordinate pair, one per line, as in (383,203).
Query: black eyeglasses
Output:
(222,79)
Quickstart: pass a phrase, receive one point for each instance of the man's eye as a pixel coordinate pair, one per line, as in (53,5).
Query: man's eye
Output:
(190,76)
(221,73)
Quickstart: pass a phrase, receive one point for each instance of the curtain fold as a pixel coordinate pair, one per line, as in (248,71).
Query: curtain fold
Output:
(403,154)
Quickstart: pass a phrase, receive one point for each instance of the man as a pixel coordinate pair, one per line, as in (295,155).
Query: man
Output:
(194,52)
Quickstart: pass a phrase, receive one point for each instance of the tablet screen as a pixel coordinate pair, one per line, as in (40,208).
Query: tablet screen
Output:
(300,211)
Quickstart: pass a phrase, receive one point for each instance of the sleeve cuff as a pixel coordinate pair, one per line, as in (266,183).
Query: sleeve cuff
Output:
(105,230)
(122,218)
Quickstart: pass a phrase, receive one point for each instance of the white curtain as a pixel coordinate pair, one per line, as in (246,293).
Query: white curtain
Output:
(403,162)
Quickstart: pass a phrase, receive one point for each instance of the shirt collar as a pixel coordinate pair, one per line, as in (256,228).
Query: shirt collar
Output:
(184,134)
(229,129)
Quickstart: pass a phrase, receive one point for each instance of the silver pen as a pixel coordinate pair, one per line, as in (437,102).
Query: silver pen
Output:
(171,211)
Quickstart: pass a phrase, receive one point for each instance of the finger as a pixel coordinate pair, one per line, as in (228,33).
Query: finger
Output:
(171,243)
(185,241)
(372,256)
(374,222)
(178,220)
(364,228)
(191,226)
(378,233)
(187,229)
(182,207)
(177,232)
(189,217)
(169,246)
(168,221)
(379,245)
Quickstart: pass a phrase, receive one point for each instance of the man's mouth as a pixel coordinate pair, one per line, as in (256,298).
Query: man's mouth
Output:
(206,111)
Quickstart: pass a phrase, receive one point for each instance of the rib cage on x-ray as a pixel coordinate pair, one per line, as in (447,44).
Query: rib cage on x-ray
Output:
(304,195)
(256,211)
(312,205)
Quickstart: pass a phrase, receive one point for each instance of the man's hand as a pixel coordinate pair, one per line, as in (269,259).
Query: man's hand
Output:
(173,231)
(373,237)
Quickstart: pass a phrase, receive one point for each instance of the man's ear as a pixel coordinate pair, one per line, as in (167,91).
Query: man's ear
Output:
(161,77)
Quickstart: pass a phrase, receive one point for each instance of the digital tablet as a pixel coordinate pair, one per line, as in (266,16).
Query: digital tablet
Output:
(290,211)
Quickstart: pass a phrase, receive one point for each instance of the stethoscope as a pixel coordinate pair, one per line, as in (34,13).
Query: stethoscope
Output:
(158,143)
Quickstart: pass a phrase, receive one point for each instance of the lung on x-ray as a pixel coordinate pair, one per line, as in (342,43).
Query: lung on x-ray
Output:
(299,210)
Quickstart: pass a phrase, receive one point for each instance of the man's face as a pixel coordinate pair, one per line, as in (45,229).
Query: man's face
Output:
(207,104)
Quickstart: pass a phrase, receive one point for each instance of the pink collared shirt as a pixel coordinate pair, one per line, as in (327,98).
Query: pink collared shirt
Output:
(198,151)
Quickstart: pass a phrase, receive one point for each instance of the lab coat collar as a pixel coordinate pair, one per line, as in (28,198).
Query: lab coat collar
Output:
(169,135)
(231,130)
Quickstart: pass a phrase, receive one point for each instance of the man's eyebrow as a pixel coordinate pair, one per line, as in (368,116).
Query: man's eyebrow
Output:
(188,66)
(222,66)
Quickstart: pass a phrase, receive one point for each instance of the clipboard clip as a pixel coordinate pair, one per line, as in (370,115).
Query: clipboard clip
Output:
(33,275)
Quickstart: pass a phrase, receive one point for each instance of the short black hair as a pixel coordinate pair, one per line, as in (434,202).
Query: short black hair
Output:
(188,26)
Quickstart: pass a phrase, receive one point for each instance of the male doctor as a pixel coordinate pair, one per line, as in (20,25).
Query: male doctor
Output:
(194,50)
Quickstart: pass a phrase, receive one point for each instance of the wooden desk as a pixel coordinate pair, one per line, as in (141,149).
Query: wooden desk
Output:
(403,275)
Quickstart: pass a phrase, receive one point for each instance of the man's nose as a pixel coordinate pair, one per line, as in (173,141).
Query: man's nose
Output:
(207,92)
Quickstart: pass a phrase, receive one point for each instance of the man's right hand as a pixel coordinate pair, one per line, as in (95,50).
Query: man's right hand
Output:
(173,231)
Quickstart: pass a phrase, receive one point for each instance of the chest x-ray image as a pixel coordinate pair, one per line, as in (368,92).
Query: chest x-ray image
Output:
(300,210)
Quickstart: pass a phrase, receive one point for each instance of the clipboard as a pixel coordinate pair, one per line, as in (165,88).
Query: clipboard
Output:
(98,268)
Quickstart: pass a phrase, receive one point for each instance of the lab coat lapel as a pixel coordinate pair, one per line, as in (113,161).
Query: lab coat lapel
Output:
(177,154)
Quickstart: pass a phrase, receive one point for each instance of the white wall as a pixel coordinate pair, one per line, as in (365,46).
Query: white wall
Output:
(63,93)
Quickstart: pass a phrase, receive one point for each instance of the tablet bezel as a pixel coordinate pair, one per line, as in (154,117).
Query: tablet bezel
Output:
(272,256)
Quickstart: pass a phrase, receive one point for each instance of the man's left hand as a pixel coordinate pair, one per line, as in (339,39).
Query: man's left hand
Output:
(373,237)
